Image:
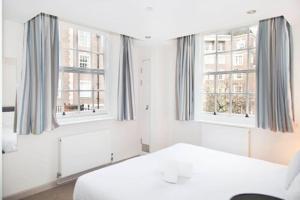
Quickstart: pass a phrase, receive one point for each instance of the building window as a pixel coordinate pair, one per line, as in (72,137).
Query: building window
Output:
(238,60)
(84,60)
(82,71)
(229,72)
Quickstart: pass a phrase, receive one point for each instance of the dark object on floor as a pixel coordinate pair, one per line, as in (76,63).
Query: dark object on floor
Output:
(254,197)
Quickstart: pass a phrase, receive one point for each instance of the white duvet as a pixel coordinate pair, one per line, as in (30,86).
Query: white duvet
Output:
(216,176)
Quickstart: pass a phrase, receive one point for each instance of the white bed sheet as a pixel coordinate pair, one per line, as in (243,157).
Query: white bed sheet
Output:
(217,176)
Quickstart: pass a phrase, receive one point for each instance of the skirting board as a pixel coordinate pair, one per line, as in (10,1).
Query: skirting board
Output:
(56,183)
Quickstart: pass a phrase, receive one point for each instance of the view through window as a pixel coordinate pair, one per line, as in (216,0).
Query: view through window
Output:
(82,72)
(229,72)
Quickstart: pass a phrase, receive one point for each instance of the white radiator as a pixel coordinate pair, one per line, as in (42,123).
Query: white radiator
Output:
(78,153)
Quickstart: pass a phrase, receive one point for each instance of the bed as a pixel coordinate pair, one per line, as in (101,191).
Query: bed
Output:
(216,176)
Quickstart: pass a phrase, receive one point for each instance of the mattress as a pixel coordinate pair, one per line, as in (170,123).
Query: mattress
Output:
(216,176)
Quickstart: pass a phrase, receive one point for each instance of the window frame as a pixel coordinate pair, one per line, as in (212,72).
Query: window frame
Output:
(202,115)
(105,71)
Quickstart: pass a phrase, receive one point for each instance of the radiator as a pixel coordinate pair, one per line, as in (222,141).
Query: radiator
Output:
(78,153)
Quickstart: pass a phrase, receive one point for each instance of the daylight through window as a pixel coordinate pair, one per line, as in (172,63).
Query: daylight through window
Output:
(229,80)
(82,71)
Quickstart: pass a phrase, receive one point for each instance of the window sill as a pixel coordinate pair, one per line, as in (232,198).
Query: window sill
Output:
(68,120)
(237,121)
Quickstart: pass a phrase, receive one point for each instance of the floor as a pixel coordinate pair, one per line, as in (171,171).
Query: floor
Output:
(63,192)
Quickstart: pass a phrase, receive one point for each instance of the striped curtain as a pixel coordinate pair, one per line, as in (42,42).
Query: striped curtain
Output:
(185,66)
(275,110)
(126,104)
(37,92)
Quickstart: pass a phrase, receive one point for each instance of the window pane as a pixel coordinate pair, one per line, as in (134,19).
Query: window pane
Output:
(97,43)
(239,81)
(97,61)
(223,103)
(85,82)
(240,60)
(99,100)
(208,103)
(252,36)
(86,100)
(67,58)
(252,105)
(209,43)
(66,36)
(84,40)
(84,59)
(230,61)
(102,44)
(239,104)
(59,104)
(70,81)
(70,101)
(224,62)
(223,83)
(251,82)
(210,63)
(208,83)
(252,59)
(224,42)
(240,39)
(60,82)
(98,82)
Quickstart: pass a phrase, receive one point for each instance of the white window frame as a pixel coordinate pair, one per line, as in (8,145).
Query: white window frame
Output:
(90,115)
(224,117)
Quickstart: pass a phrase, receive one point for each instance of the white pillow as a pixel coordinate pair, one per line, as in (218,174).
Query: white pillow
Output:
(293,192)
(293,170)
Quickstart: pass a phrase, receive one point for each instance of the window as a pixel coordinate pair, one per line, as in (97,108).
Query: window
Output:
(84,60)
(82,71)
(238,60)
(229,72)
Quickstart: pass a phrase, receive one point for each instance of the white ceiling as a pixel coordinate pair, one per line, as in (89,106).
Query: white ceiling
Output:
(168,19)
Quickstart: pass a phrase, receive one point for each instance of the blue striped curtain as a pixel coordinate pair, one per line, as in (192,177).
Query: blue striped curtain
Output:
(126,106)
(185,69)
(37,93)
(275,110)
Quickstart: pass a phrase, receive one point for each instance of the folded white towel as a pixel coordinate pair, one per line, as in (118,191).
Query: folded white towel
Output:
(185,169)
(173,169)
(170,172)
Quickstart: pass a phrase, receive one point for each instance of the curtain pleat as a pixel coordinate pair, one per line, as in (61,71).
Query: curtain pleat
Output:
(126,104)
(37,93)
(185,66)
(274,76)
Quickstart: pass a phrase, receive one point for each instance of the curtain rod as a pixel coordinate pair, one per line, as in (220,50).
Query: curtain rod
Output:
(43,14)
(80,24)
(174,38)
(281,16)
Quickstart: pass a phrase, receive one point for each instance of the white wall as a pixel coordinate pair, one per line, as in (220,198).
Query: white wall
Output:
(12,59)
(162,59)
(1,96)
(35,162)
